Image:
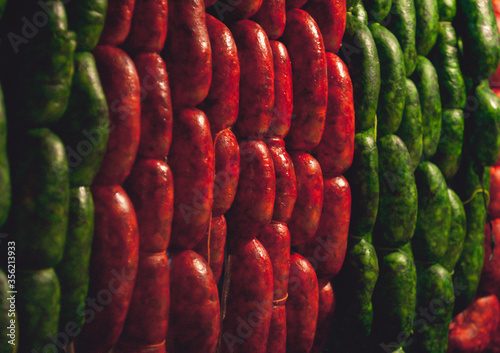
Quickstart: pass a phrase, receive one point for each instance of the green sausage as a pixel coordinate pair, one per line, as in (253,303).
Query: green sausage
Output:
(359,52)
(6,316)
(447,10)
(427,15)
(377,9)
(5,184)
(449,150)
(397,214)
(360,13)
(457,232)
(86,19)
(84,128)
(73,270)
(351,4)
(426,81)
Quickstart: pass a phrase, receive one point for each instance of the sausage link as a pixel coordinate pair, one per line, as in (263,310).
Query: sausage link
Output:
(118,21)
(295,4)
(124,348)
(272,17)
(330,15)
(326,309)
(276,342)
(149,26)
(234,10)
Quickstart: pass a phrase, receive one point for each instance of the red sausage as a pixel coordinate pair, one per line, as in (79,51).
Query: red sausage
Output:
(121,86)
(253,205)
(151,190)
(221,104)
(187,53)
(283,97)
(307,211)
(276,342)
(215,241)
(325,313)
(234,10)
(494,205)
(118,21)
(156,106)
(272,17)
(335,150)
(327,251)
(294,4)
(247,299)
(192,161)
(490,276)
(195,309)
(286,182)
(147,318)
(257,79)
(330,15)
(124,348)
(304,42)
(149,26)
(227,171)
(301,306)
(113,269)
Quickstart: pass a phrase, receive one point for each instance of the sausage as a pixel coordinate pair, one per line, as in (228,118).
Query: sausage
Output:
(303,40)
(247,298)
(195,309)
(120,84)
(156,106)
(231,10)
(327,251)
(147,318)
(118,21)
(209,3)
(490,275)
(221,103)
(286,181)
(294,4)
(326,309)
(191,158)
(336,150)
(283,96)
(494,205)
(307,211)
(113,269)
(330,15)
(149,26)
(276,343)
(124,348)
(301,306)
(150,187)
(272,17)
(187,52)
(253,205)
(256,80)
(227,171)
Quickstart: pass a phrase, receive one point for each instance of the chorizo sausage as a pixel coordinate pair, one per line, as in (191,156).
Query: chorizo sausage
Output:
(295,4)
(276,343)
(117,22)
(330,15)
(272,17)
(326,309)
(231,10)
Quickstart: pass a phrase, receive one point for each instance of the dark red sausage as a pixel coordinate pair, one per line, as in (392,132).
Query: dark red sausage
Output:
(303,40)
(191,158)
(248,298)
(221,104)
(294,4)
(327,250)
(151,190)
(301,306)
(187,52)
(490,276)
(147,318)
(227,171)
(494,205)
(253,205)
(121,86)
(286,182)
(214,242)
(335,150)
(326,309)
(330,15)
(113,269)
(276,342)
(234,10)
(118,21)
(283,91)
(272,17)
(194,309)
(307,211)
(156,106)
(149,26)
(124,348)
(257,79)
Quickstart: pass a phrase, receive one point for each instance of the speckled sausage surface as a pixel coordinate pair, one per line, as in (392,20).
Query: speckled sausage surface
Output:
(330,15)
(326,310)
(276,342)
(118,21)
(272,17)
(149,26)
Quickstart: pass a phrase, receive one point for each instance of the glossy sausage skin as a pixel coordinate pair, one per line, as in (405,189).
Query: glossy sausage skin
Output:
(301,306)
(336,149)
(147,318)
(304,42)
(248,298)
(256,81)
(494,205)
(307,211)
(330,15)
(113,269)
(191,158)
(221,103)
(272,17)
(227,171)
(150,187)
(118,21)
(188,53)
(286,181)
(283,91)
(276,342)
(234,10)
(194,309)
(120,84)
(149,26)
(326,310)
(327,251)
(156,106)
(253,205)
